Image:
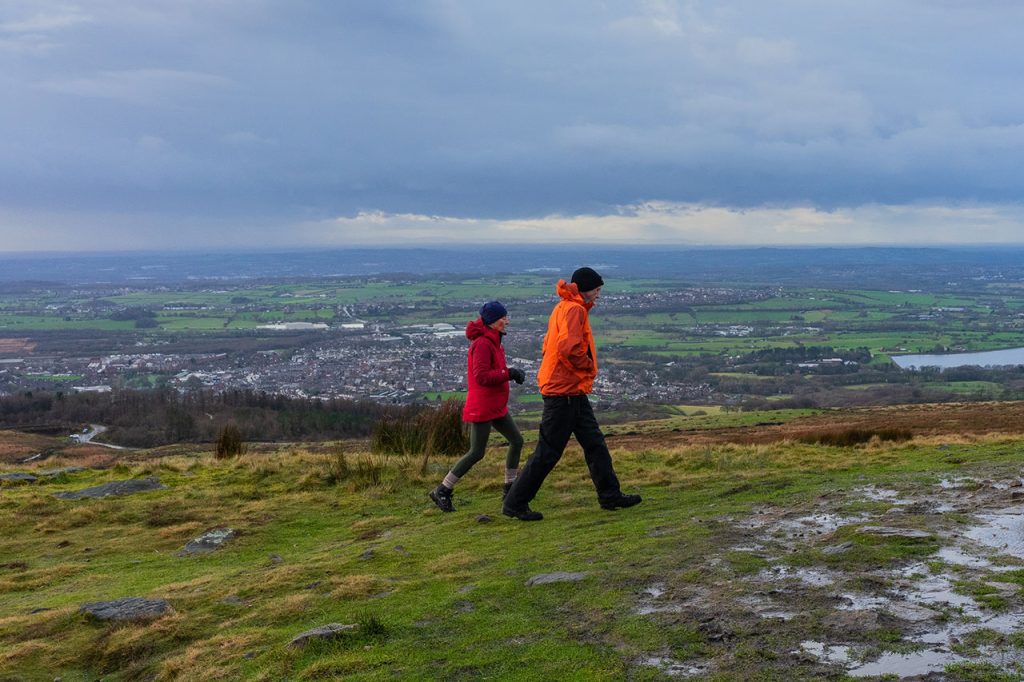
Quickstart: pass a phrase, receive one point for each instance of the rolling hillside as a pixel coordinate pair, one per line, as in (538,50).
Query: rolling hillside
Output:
(753,556)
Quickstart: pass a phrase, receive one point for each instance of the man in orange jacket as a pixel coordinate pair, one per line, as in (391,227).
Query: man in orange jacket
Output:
(566,376)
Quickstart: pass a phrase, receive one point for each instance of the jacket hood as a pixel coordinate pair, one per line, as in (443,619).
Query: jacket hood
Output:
(477,328)
(570,292)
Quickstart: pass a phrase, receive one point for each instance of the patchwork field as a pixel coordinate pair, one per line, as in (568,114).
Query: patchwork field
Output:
(751,557)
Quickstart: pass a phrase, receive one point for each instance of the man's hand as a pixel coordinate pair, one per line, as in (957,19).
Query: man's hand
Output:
(515,374)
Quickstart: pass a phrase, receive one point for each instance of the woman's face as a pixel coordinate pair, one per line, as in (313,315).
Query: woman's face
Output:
(499,324)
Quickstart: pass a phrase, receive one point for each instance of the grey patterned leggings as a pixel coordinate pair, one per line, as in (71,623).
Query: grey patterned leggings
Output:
(479,432)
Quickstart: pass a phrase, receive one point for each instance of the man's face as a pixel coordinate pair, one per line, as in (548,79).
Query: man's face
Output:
(591,296)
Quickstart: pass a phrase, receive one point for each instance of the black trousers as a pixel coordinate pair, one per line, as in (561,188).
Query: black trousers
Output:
(566,416)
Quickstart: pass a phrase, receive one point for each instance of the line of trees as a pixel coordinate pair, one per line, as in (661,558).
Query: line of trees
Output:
(159,417)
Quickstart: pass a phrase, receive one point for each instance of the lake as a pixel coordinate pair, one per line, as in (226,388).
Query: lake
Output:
(992,358)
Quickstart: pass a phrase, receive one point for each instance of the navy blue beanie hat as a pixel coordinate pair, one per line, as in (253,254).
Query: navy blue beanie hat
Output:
(586,279)
(492,312)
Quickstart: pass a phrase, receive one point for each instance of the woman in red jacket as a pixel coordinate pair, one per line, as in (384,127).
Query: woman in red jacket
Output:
(486,401)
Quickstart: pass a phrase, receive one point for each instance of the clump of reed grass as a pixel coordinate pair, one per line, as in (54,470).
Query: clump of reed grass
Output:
(425,432)
(229,442)
(850,437)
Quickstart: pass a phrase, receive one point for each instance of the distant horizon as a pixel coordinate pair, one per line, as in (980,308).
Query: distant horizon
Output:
(471,246)
(889,266)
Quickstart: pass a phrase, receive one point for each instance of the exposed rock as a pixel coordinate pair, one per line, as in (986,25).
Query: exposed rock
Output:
(911,613)
(484,518)
(129,487)
(367,555)
(209,541)
(275,558)
(837,549)
(889,531)
(19,477)
(558,577)
(50,473)
(127,609)
(322,633)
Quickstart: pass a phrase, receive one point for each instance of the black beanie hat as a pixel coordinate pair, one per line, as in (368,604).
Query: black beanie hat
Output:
(586,279)
(492,312)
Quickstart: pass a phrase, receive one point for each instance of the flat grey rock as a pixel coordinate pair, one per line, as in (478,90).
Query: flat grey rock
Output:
(557,577)
(127,609)
(887,531)
(323,633)
(837,549)
(62,470)
(208,542)
(19,477)
(129,487)
(911,613)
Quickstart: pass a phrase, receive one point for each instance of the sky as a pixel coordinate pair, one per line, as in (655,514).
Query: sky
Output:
(248,124)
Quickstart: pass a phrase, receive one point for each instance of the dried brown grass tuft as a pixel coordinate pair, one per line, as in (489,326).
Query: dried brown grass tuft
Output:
(286,608)
(35,579)
(22,650)
(186,588)
(215,658)
(181,531)
(354,586)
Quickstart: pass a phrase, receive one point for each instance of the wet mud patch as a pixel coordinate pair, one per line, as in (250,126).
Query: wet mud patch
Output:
(916,580)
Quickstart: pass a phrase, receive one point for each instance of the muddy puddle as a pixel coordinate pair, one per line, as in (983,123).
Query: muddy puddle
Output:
(955,605)
(653,599)
(876,494)
(670,666)
(1002,531)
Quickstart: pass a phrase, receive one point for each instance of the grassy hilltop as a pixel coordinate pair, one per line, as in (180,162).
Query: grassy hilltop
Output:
(768,560)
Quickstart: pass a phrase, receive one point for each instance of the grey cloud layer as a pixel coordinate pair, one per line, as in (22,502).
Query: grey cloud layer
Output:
(268,112)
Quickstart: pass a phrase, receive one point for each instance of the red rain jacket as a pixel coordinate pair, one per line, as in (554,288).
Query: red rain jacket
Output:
(486,375)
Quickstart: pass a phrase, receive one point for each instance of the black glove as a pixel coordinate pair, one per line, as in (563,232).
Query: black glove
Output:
(515,374)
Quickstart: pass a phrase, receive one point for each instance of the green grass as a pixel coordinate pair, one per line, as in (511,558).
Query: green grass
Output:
(56,377)
(967,387)
(439,596)
(688,418)
(444,395)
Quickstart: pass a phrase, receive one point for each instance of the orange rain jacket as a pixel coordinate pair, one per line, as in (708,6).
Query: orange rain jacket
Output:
(570,359)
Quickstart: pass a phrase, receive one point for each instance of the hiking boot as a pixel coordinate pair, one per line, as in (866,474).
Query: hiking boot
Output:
(504,490)
(442,497)
(523,514)
(620,502)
